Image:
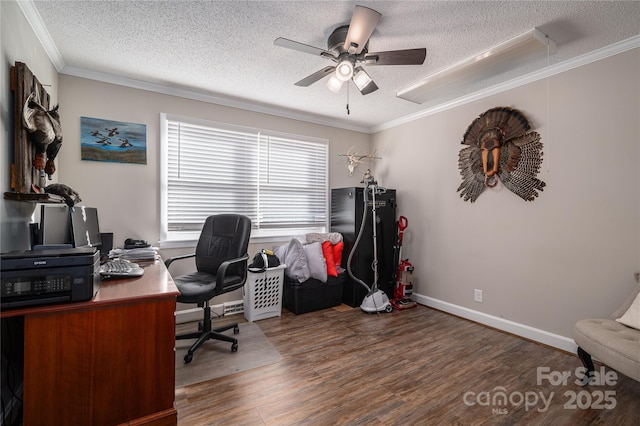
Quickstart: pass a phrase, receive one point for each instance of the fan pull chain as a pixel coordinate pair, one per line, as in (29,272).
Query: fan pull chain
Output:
(348,112)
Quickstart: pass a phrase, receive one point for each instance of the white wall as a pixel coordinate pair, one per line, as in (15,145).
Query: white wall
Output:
(568,255)
(128,195)
(20,44)
(572,252)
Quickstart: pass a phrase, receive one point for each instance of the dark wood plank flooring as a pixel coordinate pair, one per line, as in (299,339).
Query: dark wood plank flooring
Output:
(415,367)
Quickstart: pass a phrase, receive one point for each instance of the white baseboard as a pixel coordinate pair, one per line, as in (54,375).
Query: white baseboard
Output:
(555,340)
(188,315)
(541,336)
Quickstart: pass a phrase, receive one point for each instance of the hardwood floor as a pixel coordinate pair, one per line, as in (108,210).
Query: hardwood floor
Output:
(418,366)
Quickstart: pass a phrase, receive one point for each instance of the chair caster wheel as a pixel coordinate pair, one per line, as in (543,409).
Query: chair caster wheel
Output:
(188,358)
(236,330)
(234,347)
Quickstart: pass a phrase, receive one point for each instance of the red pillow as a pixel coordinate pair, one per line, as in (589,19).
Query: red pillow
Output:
(327,251)
(337,252)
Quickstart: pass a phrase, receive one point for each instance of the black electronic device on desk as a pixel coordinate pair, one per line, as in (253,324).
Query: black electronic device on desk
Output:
(39,277)
(130,244)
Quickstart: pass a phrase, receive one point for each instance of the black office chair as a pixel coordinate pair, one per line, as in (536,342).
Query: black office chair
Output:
(221,263)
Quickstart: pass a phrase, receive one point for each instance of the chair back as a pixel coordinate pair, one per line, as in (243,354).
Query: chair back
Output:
(223,237)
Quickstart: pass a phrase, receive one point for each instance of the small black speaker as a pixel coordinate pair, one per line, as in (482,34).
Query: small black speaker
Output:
(106,238)
(34,235)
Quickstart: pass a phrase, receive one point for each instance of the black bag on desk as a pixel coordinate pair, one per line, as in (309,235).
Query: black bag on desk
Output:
(263,260)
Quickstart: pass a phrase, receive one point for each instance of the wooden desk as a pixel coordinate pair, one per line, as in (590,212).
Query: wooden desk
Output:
(107,361)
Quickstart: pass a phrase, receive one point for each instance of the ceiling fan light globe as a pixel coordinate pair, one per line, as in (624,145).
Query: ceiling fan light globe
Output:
(334,84)
(344,70)
(361,79)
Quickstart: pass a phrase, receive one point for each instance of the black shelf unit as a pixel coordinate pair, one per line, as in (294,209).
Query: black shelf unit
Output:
(347,206)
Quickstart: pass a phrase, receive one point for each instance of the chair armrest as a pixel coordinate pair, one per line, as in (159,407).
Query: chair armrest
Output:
(172,259)
(222,270)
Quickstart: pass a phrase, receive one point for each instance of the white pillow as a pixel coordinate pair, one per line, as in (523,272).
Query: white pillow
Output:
(316,261)
(293,255)
(632,316)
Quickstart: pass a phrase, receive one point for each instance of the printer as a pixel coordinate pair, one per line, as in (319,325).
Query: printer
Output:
(39,277)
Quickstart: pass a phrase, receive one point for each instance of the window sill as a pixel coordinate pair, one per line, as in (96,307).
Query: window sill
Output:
(174,244)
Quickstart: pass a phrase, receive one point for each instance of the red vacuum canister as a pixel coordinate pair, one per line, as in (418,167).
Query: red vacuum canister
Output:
(404,287)
(404,274)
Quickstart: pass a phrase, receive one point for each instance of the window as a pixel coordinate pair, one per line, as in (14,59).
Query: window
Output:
(279,181)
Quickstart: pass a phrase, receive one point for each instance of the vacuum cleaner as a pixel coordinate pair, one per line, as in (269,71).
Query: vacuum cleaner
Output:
(404,287)
(376,300)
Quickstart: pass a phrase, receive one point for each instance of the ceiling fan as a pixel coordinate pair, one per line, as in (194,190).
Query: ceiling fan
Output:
(348,47)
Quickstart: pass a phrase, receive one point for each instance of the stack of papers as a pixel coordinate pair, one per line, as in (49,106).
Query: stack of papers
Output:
(134,255)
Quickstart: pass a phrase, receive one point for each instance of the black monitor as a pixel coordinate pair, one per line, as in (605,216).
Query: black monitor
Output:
(84,227)
(55,227)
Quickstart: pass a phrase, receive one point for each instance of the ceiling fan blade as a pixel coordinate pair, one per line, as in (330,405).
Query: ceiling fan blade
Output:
(369,88)
(397,57)
(363,22)
(301,47)
(318,75)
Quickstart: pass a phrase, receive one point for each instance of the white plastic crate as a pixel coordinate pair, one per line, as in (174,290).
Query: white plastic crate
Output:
(262,294)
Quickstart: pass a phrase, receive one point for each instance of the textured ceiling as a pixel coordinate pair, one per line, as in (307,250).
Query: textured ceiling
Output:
(224,49)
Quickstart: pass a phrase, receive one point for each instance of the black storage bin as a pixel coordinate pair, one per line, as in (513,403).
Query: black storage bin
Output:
(312,295)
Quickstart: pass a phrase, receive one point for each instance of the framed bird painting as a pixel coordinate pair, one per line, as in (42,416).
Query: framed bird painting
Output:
(113,141)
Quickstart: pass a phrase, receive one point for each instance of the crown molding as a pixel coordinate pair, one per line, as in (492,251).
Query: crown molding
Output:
(578,61)
(35,20)
(213,99)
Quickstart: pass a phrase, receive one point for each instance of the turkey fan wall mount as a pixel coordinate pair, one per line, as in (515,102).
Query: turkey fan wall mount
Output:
(500,147)
(348,48)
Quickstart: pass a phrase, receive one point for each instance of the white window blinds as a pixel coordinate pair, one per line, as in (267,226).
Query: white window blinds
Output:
(292,183)
(279,181)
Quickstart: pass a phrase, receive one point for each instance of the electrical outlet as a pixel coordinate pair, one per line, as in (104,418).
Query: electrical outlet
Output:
(477,295)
